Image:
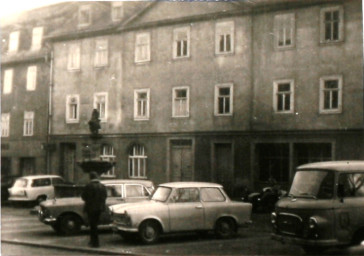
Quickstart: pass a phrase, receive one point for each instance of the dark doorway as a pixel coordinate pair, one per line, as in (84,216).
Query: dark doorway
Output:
(181,160)
(68,161)
(223,165)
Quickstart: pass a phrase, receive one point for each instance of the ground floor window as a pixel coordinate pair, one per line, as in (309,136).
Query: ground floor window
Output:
(137,162)
(107,154)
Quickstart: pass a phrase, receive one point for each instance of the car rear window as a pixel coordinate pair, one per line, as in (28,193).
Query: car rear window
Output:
(21,183)
(212,195)
(135,191)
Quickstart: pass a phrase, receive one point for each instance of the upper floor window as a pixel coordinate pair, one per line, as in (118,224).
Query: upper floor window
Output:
(8,81)
(100,103)
(37,38)
(5,124)
(181,102)
(101,52)
(84,15)
(141,104)
(224,37)
(14,41)
(142,47)
(137,162)
(72,108)
(331,94)
(28,123)
(107,154)
(31,78)
(74,54)
(332,24)
(117,11)
(283,96)
(224,99)
(284,30)
(181,42)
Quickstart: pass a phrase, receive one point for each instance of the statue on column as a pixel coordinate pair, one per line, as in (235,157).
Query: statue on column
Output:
(94,123)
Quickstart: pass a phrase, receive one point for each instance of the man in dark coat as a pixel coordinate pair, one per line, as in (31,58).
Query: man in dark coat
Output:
(94,196)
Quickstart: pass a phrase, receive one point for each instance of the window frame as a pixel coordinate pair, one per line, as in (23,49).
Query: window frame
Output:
(140,157)
(115,5)
(139,45)
(81,9)
(74,51)
(70,120)
(13,46)
(37,37)
(276,92)
(101,56)
(103,118)
(176,31)
(28,125)
(174,90)
(340,31)
(32,78)
(8,81)
(106,156)
(136,105)
(5,125)
(220,26)
(217,96)
(337,110)
(281,21)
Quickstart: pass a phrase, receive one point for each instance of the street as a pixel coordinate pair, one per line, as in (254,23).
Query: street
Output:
(20,229)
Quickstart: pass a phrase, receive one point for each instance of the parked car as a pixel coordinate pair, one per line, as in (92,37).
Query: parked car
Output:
(324,207)
(7,181)
(182,206)
(34,188)
(66,215)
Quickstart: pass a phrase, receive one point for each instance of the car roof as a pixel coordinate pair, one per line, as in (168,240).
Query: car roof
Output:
(342,166)
(127,181)
(184,184)
(39,176)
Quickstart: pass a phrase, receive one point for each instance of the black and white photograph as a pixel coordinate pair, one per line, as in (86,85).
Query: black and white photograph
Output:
(182,128)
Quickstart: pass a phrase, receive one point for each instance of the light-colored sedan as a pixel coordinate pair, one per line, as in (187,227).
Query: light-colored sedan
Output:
(182,206)
(66,215)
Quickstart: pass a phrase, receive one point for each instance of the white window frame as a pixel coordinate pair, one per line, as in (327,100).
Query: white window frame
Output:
(101,52)
(174,99)
(136,104)
(8,81)
(70,119)
(81,9)
(5,124)
(74,56)
(31,78)
(107,154)
(224,28)
(117,8)
(37,37)
(277,93)
(323,39)
(138,155)
(13,42)
(176,41)
(103,112)
(337,110)
(217,96)
(28,128)
(284,28)
(142,47)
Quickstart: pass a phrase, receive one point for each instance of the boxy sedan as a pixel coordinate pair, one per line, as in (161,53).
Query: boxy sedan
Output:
(182,206)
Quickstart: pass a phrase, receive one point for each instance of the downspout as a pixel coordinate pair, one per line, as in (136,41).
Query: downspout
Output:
(49,113)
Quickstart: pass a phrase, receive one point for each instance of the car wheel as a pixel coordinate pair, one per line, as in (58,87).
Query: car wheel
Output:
(69,224)
(149,232)
(225,228)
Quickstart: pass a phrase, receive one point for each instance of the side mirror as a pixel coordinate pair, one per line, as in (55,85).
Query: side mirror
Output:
(341,192)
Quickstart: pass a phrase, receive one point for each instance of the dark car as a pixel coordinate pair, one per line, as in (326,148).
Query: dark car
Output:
(7,182)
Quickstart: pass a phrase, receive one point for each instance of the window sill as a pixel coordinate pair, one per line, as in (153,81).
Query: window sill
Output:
(73,70)
(141,119)
(142,62)
(222,115)
(329,112)
(175,58)
(72,121)
(222,54)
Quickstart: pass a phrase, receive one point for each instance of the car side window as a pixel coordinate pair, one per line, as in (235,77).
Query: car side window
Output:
(212,195)
(113,190)
(133,190)
(183,195)
(57,181)
(41,182)
(352,184)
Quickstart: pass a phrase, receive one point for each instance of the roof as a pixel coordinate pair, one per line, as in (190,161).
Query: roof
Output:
(128,181)
(40,176)
(349,165)
(183,184)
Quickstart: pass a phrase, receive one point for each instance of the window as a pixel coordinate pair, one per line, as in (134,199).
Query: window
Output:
(283,96)
(14,41)
(8,81)
(100,103)
(28,123)
(331,94)
(332,24)
(135,190)
(181,42)
(141,104)
(117,11)
(101,52)
(84,15)
(72,108)
(351,185)
(181,102)
(224,37)
(142,47)
(223,99)
(212,195)
(137,162)
(185,195)
(41,182)
(284,30)
(5,124)
(113,190)
(74,52)
(31,78)
(107,154)
(37,38)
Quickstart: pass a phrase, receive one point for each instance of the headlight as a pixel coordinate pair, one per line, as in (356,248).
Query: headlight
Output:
(273,219)
(313,228)
(312,223)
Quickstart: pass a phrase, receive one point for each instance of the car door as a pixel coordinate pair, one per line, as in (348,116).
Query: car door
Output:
(185,210)
(41,187)
(214,203)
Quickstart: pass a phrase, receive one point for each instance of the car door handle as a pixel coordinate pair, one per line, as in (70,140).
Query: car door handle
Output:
(199,207)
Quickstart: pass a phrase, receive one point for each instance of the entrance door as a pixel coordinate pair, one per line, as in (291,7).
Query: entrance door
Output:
(181,161)
(223,167)
(68,161)
(27,166)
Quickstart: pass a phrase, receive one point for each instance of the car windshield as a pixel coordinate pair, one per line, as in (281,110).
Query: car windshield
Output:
(21,183)
(316,184)
(161,194)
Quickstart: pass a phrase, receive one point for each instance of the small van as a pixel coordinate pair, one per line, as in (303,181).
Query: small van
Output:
(324,207)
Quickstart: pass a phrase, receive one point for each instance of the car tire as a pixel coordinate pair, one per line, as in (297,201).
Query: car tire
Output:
(149,232)
(225,228)
(69,224)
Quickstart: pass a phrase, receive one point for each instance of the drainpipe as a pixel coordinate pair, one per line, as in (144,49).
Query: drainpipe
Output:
(49,111)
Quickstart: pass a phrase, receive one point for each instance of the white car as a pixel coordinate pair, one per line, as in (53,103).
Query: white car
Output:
(34,188)
(181,206)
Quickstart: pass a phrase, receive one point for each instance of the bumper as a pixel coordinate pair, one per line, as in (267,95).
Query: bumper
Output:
(305,242)
(116,227)
(19,199)
(49,220)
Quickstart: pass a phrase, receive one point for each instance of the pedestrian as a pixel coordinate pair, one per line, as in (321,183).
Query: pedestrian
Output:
(94,196)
